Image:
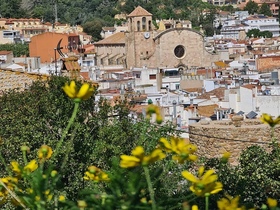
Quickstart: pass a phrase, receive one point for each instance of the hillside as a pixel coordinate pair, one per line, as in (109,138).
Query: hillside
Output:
(98,13)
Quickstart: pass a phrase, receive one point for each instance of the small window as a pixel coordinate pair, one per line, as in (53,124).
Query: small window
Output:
(138,25)
(144,24)
(153,76)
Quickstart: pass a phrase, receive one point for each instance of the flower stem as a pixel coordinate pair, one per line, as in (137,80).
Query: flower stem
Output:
(71,121)
(206,202)
(24,157)
(68,148)
(150,187)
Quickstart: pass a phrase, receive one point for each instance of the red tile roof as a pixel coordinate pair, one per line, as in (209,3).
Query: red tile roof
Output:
(117,38)
(139,11)
(5,52)
(85,75)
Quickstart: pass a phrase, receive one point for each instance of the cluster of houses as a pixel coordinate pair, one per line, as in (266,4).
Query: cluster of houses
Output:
(191,77)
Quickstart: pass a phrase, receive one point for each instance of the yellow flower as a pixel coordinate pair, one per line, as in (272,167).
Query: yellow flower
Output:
(182,150)
(84,93)
(138,157)
(229,203)
(154,109)
(10,183)
(53,173)
(96,174)
(204,183)
(194,207)
(225,157)
(267,119)
(15,167)
(45,152)
(31,166)
(82,204)
(61,198)
(272,203)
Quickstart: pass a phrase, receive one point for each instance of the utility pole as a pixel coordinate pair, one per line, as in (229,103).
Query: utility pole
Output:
(55,11)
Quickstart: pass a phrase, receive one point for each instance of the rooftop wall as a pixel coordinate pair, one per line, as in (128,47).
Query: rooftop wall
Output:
(217,137)
(17,79)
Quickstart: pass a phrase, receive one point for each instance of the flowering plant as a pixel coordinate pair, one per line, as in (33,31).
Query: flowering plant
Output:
(134,180)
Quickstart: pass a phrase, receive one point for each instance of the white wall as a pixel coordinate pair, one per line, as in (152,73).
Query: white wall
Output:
(268,104)
(246,100)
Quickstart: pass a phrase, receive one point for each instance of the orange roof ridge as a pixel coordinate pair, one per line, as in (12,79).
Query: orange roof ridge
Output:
(139,11)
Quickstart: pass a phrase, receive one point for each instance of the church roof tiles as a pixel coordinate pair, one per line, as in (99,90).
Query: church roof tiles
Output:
(139,11)
(117,38)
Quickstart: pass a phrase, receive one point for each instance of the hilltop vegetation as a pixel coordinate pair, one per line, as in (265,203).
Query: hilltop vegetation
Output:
(98,13)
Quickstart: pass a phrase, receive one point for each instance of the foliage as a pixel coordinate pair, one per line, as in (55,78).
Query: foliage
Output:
(252,7)
(36,116)
(257,33)
(17,49)
(150,176)
(265,10)
(95,14)
(255,178)
(94,28)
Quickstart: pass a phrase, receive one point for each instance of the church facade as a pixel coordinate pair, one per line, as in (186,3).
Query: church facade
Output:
(145,46)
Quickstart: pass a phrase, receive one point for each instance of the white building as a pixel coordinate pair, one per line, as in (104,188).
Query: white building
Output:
(263,23)
(9,36)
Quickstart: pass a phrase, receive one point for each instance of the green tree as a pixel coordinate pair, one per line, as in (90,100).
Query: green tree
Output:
(265,10)
(252,7)
(94,28)
(266,34)
(17,49)
(253,33)
(11,9)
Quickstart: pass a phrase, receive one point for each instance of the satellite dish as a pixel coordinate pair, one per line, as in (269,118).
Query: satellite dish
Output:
(263,87)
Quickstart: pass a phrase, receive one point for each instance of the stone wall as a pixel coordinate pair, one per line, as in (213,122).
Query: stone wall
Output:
(11,79)
(217,137)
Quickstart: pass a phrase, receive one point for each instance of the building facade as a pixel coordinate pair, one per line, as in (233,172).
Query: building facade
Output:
(178,47)
(263,23)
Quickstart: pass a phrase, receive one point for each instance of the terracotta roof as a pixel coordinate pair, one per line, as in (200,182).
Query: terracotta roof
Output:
(138,108)
(139,11)
(5,52)
(71,64)
(207,111)
(85,75)
(199,90)
(251,86)
(218,92)
(108,28)
(117,38)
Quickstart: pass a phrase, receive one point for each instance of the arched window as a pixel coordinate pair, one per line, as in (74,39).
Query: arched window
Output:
(150,25)
(143,23)
(138,25)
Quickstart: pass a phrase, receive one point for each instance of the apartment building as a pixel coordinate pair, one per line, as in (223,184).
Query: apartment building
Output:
(263,23)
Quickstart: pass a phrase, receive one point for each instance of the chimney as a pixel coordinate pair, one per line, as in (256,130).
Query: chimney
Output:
(159,80)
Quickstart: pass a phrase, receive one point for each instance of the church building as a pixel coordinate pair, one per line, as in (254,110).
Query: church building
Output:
(145,46)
